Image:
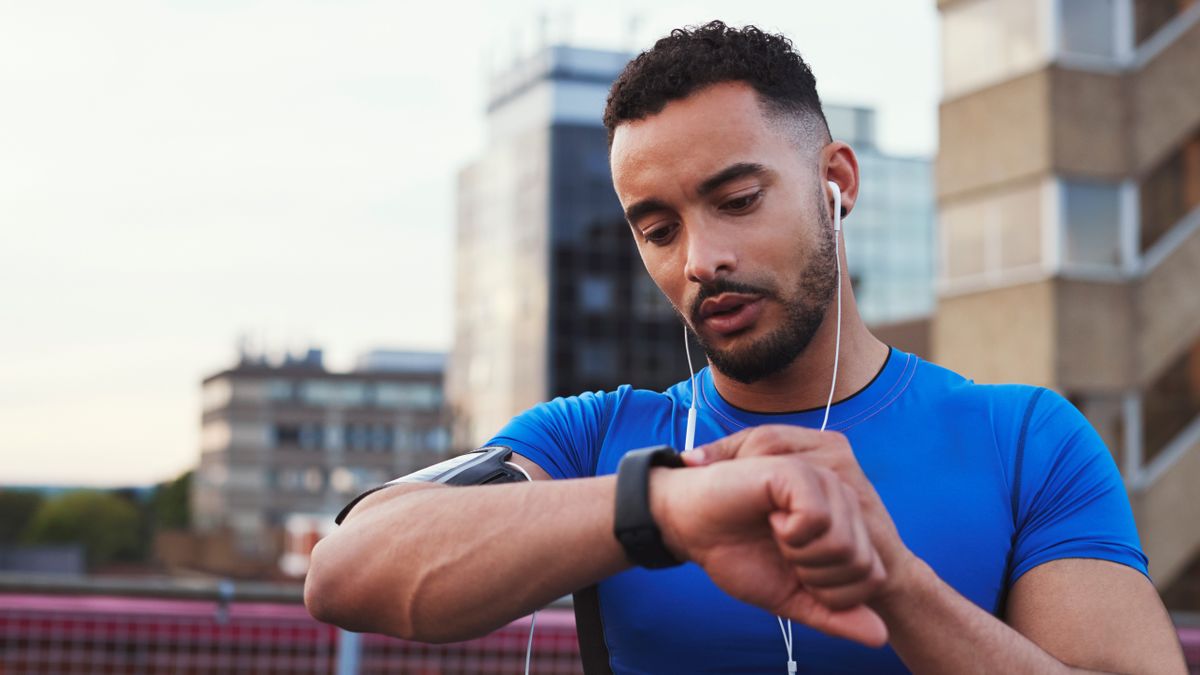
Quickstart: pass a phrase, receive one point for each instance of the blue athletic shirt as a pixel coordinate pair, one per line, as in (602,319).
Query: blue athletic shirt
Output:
(984,483)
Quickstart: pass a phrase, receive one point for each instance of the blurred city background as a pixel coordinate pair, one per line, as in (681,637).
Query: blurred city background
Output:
(260,256)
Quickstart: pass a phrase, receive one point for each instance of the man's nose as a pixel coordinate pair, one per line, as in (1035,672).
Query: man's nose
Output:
(710,253)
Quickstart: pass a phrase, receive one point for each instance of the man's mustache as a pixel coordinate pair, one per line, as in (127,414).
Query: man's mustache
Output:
(715,288)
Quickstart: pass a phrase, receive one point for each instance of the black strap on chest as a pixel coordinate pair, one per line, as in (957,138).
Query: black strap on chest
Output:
(589,627)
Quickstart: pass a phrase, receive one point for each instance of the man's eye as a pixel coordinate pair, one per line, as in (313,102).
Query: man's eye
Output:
(742,203)
(659,235)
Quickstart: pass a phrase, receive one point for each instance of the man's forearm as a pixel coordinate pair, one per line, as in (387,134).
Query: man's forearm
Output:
(448,563)
(934,629)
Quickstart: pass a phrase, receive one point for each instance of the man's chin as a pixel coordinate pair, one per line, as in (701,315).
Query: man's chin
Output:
(749,357)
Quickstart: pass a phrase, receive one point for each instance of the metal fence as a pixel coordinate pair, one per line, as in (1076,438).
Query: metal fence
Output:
(66,633)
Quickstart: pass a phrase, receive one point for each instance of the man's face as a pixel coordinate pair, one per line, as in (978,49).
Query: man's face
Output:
(731,221)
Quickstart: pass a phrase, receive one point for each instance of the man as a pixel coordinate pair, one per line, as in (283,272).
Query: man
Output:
(971,528)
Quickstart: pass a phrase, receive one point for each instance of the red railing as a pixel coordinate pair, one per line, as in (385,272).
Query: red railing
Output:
(71,634)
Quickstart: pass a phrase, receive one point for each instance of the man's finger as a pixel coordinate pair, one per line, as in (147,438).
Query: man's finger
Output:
(756,442)
(860,624)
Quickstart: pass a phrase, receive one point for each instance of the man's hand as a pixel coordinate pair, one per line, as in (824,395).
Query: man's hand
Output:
(831,451)
(779,533)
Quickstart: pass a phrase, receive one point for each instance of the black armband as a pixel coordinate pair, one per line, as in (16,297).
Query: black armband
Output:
(485,466)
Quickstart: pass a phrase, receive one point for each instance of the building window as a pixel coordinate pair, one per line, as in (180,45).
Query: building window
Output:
(1170,192)
(416,395)
(648,301)
(437,440)
(596,360)
(287,435)
(1091,223)
(381,438)
(325,393)
(994,236)
(1151,15)
(279,390)
(356,436)
(596,294)
(1088,28)
(312,436)
(1171,403)
(990,41)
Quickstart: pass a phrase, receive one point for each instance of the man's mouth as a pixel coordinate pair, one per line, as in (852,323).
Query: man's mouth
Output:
(729,313)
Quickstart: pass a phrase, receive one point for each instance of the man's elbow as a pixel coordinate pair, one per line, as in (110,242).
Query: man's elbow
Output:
(323,592)
(345,598)
(318,599)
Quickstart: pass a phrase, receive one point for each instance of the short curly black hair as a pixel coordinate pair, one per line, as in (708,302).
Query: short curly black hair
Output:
(695,57)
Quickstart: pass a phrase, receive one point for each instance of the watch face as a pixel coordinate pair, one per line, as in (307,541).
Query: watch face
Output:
(430,474)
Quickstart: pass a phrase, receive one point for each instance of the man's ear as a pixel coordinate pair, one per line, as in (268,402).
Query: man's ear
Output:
(839,164)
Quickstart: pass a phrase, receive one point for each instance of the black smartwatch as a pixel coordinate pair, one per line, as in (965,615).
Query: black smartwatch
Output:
(634,525)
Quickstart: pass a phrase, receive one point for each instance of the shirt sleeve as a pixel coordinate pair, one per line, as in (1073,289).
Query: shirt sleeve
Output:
(1070,499)
(563,436)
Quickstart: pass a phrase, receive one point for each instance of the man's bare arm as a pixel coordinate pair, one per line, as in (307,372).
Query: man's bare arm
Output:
(1096,613)
(1068,616)
(438,564)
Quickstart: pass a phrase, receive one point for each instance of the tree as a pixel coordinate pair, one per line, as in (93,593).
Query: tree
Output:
(169,505)
(108,527)
(17,508)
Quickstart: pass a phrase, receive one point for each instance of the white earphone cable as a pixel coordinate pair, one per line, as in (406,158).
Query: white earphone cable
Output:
(837,348)
(529,649)
(689,441)
(837,254)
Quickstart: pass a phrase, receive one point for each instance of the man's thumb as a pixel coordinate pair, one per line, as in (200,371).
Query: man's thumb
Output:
(860,624)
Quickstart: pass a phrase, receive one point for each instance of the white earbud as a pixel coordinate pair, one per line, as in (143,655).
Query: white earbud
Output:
(837,206)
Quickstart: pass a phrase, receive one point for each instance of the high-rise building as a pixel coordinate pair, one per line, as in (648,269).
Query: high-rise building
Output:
(551,297)
(1068,187)
(289,439)
(890,236)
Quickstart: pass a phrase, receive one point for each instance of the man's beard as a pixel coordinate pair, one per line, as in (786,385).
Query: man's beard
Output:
(803,315)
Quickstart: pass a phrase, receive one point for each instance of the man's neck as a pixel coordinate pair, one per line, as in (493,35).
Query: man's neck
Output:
(804,384)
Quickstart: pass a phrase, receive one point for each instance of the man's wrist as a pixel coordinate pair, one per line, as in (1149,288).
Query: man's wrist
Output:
(663,486)
(908,578)
(634,524)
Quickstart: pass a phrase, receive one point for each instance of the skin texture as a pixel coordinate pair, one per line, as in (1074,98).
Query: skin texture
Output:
(776,503)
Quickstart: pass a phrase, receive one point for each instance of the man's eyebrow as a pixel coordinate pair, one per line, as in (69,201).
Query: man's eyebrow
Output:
(636,211)
(708,185)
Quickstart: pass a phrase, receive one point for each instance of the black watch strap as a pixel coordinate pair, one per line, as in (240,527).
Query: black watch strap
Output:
(634,525)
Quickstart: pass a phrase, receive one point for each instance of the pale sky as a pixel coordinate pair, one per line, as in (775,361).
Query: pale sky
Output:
(176,174)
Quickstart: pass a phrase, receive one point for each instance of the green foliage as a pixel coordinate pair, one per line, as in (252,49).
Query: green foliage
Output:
(170,505)
(109,527)
(17,508)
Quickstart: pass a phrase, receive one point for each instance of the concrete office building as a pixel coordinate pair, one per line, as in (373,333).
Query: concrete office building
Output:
(1068,187)
(292,438)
